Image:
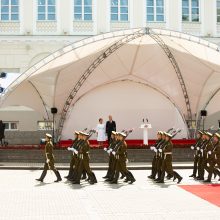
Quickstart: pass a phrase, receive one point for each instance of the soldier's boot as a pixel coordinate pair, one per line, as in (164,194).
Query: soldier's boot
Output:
(216,173)
(76,179)
(92,179)
(176,175)
(159,176)
(58,176)
(152,176)
(44,173)
(169,176)
(122,176)
(194,172)
(69,174)
(83,175)
(131,177)
(209,179)
(161,180)
(72,177)
(107,174)
(115,179)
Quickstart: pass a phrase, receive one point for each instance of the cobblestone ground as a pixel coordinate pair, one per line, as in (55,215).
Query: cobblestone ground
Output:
(23,198)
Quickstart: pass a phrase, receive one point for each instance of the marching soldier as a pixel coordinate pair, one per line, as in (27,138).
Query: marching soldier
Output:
(160,157)
(154,162)
(120,156)
(196,154)
(49,164)
(200,157)
(109,150)
(83,161)
(213,158)
(167,161)
(207,146)
(73,155)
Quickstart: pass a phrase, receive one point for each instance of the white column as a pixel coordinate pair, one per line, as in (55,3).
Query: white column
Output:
(103,16)
(208,17)
(27,16)
(174,15)
(137,13)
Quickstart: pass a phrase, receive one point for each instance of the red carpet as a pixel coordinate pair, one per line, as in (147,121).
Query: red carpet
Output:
(210,192)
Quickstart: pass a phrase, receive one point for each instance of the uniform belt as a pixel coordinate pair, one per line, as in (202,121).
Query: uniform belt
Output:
(168,153)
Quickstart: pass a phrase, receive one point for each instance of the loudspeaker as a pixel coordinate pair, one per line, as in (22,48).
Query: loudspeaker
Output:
(203,113)
(53,110)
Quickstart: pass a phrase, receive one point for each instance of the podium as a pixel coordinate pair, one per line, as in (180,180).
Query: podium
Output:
(145,128)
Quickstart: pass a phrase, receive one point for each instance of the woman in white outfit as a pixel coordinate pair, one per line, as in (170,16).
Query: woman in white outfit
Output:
(100,129)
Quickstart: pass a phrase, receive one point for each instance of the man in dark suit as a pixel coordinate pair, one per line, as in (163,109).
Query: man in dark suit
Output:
(110,126)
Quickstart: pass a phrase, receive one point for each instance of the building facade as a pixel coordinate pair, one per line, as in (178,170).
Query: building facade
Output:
(32,29)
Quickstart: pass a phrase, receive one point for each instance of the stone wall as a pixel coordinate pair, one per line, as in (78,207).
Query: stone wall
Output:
(25,137)
(96,155)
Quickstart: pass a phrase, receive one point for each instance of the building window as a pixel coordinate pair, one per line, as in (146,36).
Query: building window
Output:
(46,10)
(119,10)
(9,10)
(218,11)
(45,125)
(11,126)
(155,10)
(190,10)
(83,10)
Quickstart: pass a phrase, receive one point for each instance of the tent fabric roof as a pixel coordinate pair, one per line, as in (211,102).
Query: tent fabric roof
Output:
(49,82)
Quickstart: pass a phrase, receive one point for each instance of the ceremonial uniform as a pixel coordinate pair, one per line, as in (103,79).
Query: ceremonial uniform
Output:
(49,164)
(109,150)
(83,163)
(167,162)
(155,158)
(196,154)
(121,157)
(213,159)
(73,160)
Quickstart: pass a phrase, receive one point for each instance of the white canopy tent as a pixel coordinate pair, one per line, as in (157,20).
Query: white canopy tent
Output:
(183,69)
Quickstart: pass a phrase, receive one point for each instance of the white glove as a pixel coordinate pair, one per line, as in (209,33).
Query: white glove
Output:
(68,148)
(75,151)
(113,152)
(192,147)
(210,152)
(48,160)
(152,147)
(160,150)
(197,148)
(105,149)
(201,150)
(155,150)
(108,151)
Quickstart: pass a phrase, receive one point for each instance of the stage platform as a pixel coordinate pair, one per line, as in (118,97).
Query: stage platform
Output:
(131,144)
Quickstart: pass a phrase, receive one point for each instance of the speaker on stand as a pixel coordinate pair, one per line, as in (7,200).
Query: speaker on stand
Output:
(203,114)
(53,111)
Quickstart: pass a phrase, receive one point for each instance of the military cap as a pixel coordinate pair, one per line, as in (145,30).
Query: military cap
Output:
(48,135)
(217,135)
(209,134)
(114,132)
(168,134)
(122,134)
(160,132)
(200,132)
(76,132)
